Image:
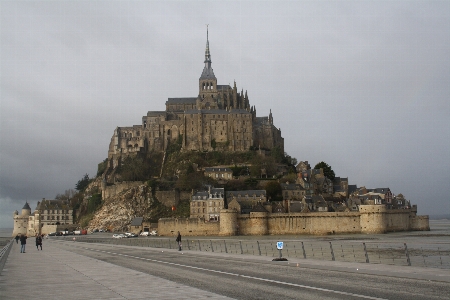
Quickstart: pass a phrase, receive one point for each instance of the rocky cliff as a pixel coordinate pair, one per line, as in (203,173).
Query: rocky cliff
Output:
(117,212)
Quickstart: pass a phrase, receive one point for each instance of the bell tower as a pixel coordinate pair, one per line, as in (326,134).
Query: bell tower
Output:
(207,82)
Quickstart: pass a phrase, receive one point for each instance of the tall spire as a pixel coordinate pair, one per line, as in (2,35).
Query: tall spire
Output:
(207,54)
(208,72)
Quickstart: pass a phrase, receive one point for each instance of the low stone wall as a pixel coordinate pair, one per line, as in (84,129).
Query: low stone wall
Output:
(187,227)
(319,223)
(46,229)
(379,219)
(255,223)
(420,223)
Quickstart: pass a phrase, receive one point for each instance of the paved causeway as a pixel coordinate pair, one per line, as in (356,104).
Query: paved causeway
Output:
(58,274)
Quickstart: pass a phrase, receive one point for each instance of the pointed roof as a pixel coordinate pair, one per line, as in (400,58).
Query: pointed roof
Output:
(208,72)
(26,206)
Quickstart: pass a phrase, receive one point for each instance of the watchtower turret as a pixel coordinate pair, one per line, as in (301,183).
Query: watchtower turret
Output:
(26,209)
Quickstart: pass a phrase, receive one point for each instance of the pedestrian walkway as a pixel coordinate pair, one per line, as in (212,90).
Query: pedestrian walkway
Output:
(55,273)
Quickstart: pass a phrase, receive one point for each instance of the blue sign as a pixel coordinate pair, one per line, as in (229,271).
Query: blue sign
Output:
(280,245)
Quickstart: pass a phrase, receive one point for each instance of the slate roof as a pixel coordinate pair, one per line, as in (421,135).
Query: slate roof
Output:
(296,206)
(218,169)
(208,73)
(319,200)
(247,192)
(338,188)
(259,208)
(190,100)
(155,113)
(137,221)
(262,120)
(53,204)
(352,188)
(223,87)
(204,195)
(216,111)
(26,206)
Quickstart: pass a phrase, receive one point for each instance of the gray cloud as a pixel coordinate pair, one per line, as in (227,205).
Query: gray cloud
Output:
(362,86)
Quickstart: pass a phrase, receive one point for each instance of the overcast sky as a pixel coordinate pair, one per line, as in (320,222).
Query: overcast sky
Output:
(363,86)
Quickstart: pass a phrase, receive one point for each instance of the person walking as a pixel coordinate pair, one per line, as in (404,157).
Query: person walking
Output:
(38,241)
(23,242)
(17,238)
(179,241)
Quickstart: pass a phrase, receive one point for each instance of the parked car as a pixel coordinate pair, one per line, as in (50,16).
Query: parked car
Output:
(145,233)
(52,234)
(130,234)
(117,236)
(153,232)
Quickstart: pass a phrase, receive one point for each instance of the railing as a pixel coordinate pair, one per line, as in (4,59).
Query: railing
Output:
(375,252)
(4,254)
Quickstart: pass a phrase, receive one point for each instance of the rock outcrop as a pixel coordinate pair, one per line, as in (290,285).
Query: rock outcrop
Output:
(117,212)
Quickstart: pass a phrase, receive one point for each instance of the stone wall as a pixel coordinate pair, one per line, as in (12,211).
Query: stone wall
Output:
(370,219)
(256,223)
(187,227)
(420,223)
(319,223)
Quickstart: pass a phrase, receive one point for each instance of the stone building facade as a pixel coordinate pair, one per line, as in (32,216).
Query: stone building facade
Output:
(48,215)
(208,204)
(219,118)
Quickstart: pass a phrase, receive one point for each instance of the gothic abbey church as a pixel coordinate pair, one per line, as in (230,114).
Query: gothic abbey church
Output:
(219,118)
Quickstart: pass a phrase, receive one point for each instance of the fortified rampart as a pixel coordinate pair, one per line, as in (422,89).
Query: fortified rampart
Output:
(369,219)
(314,223)
(187,226)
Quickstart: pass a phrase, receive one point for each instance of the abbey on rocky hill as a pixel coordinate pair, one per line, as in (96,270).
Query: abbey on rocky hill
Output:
(219,118)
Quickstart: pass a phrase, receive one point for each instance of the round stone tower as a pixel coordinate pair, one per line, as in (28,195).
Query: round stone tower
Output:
(228,222)
(373,218)
(26,210)
(21,221)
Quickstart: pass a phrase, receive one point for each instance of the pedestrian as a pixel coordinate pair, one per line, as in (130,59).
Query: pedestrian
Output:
(38,241)
(17,238)
(23,242)
(179,241)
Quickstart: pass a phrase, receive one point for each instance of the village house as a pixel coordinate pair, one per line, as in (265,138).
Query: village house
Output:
(292,191)
(207,204)
(219,173)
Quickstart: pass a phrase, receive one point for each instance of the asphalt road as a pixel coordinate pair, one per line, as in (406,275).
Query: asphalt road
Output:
(248,277)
